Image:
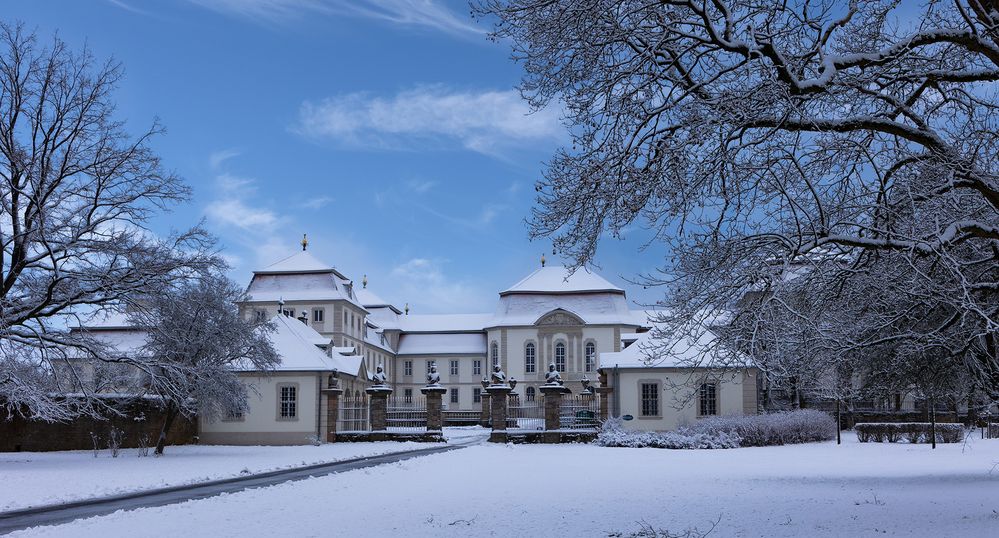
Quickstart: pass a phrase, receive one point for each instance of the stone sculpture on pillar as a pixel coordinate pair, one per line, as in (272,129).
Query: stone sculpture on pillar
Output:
(552,377)
(379,378)
(433,378)
(498,377)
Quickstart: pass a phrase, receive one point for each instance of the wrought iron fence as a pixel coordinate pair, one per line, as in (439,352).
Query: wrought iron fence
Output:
(407,414)
(353,415)
(991,430)
(523,414)
(579,412)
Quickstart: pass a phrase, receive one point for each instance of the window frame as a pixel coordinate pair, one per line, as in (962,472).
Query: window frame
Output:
(453,395)
(494,357)
(407,396)
(477,367)
(530,394)
(281,401)
(453,368)
(701,399)
(476,395)
(560,345)
(530,358)
(318,315)
(589,356)
(655,391)
(407,368)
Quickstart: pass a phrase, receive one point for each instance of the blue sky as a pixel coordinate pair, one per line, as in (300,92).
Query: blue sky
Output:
(390,131)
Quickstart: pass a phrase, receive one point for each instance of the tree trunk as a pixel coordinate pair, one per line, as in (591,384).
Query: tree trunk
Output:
(972,409)
(933,421)
(171,414)
(839,424)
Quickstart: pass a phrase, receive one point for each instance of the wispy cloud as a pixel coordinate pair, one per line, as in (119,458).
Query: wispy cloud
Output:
(485,121)
(128,7)
(216,159)
(424,280)
(428,14)
(231,208)
(420,186)
(317,202)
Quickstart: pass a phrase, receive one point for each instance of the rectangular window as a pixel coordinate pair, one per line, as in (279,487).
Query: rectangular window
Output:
(287,402)
(289,312)
(454,396)
(530,359)
(477,367)
(454,367)
(261,315)
(708,402)
(318,315)
(407,368)
(650,399)
(430,365)
(476,395)
(408,395)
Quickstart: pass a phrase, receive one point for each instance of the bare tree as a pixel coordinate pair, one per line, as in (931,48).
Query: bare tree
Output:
(76,194)
(196,341)
(753,137)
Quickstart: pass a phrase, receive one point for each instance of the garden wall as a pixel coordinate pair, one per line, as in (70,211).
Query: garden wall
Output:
(141,418)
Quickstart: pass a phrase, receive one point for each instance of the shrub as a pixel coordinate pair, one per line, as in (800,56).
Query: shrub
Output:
(913,432)
(783,428)
(802,426)
(613,434)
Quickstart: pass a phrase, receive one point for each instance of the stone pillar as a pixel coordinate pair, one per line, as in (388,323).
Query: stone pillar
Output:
(484,415)
(604,393)
(332,411)
(435,413)
(553,403)
(498,397)
(378,406)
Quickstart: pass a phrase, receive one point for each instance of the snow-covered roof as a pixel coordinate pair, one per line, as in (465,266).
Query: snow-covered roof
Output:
(592,308)
(307,333)
(444,322)
(447,343)
(688,350)
(293,342)
(558,279)
(383,318)
(369,299)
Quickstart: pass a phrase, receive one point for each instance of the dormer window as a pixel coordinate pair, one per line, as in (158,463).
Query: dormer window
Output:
(318,315)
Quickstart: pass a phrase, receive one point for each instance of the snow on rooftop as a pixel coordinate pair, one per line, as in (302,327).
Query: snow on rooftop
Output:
(557,279)
(444,322)
(687,350)
(269,287)
(592,308)
(293,342)
(369,299)
(300,262)
(454,343)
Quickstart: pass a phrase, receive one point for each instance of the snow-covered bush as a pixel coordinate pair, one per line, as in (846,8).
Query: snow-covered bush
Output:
(613,434)
(783,428)
(913,432)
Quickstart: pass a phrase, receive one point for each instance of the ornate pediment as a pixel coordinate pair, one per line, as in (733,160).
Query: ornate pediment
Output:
(561,318)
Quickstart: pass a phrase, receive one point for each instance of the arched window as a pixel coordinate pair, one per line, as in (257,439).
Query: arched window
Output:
(494,353)
(591,356)
(530,394)
(560,357)
(530,361)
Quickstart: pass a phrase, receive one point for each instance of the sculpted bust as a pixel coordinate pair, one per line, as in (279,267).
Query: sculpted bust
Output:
(433,378)
(498,377)
(552,377)
(379,377)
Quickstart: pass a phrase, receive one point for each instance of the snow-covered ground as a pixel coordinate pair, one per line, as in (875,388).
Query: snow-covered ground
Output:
(39,478)
(581,490)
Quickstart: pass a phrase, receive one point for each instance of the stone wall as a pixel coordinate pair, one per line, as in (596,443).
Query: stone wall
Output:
(141,418)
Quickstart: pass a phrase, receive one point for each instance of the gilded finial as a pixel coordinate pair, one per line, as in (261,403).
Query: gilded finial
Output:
(364,281)
(305,241)
(542,259)
(407,309)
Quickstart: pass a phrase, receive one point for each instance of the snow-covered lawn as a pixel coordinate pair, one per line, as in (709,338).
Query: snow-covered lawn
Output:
(38,478)
(582,490)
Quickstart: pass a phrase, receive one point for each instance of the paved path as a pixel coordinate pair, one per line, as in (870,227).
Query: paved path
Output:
(63,513)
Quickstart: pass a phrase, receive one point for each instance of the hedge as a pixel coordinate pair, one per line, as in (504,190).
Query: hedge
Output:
(912,432)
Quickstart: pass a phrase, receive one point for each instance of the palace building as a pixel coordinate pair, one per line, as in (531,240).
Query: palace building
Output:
(325,324)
